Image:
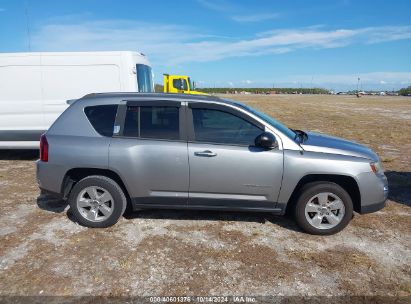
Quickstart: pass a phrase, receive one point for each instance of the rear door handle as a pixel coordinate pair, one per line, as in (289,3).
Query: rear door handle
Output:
(206,153)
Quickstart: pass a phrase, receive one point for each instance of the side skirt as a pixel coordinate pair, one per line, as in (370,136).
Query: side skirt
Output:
(222,206)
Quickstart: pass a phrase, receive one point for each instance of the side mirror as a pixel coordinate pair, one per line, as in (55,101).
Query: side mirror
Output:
(266,140)
(194,85)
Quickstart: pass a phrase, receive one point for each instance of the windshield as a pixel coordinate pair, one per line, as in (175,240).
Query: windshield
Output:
(190,84)
(279,126)
(144,78)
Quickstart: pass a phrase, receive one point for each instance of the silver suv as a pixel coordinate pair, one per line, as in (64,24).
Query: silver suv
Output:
(110,150)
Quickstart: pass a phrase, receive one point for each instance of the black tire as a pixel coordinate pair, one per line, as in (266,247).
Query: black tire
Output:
(119,202)
(311,189)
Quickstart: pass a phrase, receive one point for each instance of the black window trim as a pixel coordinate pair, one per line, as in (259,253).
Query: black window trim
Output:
(219,107)
(122,110)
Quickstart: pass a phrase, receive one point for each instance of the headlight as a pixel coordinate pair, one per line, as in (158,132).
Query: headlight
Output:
(377,168)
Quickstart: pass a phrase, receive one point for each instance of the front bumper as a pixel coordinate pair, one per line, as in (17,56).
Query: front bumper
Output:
(373,190)
(372,208)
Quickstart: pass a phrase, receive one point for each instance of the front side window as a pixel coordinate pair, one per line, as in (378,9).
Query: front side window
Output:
(144,78)
(276,124)
(152,122)
(217,126)
(180,84)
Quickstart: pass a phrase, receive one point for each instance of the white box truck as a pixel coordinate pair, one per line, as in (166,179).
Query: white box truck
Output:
(35,87)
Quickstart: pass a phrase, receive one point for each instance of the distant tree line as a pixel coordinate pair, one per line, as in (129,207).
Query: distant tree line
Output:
(266,90)
(158,88)
(405,91)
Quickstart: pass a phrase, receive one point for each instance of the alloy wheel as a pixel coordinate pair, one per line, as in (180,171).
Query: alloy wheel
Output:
(95,203)
(324,210)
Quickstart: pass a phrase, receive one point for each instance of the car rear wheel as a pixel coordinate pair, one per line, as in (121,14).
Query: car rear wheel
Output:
(97,201)
(323,208)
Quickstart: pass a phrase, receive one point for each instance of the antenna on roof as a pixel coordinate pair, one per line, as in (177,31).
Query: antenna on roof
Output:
(26,10)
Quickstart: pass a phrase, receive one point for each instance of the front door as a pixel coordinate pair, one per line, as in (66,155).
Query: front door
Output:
(226,169)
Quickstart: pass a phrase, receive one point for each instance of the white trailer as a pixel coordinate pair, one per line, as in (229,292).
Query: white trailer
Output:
(35,87)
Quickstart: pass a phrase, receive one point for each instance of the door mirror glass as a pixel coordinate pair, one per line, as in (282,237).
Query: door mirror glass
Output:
(266,140)
(194,85)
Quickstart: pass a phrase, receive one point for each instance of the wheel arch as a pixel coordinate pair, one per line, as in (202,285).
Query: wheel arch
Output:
(348,183)
(74,175)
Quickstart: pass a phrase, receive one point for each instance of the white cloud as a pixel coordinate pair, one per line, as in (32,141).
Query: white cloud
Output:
(255,18)
(221,5)
(172,44)
(390,33)
(247,81)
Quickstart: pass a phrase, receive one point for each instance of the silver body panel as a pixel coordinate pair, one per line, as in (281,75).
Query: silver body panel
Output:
(151,168)
(236,172)
(323,143)
(169,174)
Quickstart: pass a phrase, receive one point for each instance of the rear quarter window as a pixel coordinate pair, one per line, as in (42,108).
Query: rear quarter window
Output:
(102,118)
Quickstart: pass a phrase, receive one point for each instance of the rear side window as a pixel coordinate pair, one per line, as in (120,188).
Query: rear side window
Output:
(152,122)
(102,118)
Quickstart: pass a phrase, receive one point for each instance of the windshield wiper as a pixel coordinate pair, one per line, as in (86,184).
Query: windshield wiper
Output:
(303,136)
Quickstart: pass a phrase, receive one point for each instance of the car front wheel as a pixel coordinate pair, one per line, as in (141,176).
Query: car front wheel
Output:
(97,201)
(323,208)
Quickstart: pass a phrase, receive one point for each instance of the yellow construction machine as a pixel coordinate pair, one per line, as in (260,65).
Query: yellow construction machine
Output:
(180,84)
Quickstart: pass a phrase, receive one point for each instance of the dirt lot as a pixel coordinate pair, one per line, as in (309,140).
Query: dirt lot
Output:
(43,252)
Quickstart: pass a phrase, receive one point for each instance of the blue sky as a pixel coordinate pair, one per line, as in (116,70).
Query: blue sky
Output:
(230,43)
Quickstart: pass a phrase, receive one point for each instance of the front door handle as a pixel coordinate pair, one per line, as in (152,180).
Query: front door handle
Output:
(206,153)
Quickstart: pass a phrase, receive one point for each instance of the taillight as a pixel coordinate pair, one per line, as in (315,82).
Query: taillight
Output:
(44,148)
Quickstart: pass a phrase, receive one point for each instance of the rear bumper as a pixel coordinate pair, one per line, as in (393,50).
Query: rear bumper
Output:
(51,193)
(49,176)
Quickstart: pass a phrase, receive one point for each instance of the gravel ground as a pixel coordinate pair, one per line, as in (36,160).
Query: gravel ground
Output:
(44,252)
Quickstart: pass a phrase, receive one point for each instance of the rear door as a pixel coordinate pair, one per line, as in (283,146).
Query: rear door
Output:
(226,169)
(149,152)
